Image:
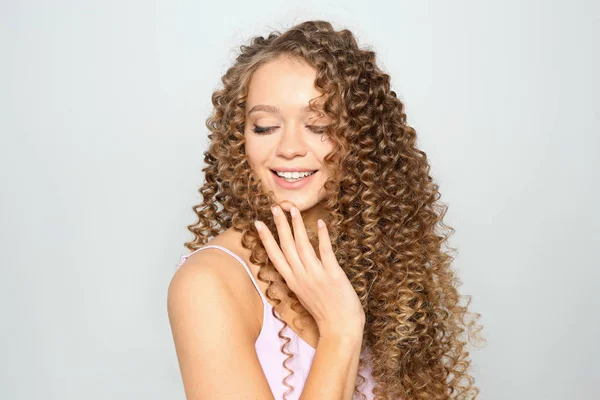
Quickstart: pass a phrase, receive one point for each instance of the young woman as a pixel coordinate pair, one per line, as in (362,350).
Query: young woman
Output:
(342,290)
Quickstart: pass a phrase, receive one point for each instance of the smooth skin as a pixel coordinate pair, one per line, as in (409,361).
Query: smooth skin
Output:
(213,334)
(278,95)
(214,329)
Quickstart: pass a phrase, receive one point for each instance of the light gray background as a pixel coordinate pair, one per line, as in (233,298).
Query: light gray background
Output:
(102,109)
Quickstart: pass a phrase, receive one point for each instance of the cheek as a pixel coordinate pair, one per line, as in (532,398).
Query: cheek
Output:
(324,150)
(254,152)
(260,149)
(320,145)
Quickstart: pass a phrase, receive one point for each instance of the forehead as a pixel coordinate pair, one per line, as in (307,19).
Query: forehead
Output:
(282,85)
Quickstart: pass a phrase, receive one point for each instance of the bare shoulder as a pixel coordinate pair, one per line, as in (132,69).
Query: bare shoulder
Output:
(212,272)
(213,331)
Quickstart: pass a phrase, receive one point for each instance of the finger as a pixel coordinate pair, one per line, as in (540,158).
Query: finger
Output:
(325,250)
(275,255)
(303,247)
(286,241)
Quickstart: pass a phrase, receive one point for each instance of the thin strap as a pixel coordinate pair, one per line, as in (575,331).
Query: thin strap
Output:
(234,256)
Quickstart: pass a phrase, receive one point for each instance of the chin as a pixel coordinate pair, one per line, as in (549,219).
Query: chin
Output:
(286,205)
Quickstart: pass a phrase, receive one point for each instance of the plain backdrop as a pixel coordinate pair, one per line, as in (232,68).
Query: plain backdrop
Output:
(102,111)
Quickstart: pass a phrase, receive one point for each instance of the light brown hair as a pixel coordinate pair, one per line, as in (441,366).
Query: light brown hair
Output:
(385,217)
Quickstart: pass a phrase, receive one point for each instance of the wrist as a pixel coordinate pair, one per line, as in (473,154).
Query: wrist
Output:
(348,338)
(354,332)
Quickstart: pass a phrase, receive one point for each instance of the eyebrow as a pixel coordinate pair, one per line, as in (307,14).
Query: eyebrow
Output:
(271,109)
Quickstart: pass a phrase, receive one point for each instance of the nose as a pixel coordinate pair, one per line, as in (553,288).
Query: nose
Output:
(292,143)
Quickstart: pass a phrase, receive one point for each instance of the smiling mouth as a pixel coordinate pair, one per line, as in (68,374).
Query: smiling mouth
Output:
(294,179)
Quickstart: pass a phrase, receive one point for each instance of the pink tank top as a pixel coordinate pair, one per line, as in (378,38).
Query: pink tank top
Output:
(271,358)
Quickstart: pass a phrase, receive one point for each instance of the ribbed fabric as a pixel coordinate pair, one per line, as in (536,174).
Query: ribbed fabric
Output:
(268,346)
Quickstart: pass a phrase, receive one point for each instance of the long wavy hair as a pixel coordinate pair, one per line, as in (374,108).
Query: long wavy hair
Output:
(384,215)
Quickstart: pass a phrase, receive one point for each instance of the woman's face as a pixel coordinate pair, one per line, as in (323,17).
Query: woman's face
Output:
(281,133)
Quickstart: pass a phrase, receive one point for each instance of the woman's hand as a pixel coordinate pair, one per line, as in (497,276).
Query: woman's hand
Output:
(321,285)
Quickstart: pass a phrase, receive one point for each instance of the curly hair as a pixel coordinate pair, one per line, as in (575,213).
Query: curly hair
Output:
(385,221)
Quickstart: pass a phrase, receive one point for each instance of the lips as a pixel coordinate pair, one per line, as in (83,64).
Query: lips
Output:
(292,185)
(312,172)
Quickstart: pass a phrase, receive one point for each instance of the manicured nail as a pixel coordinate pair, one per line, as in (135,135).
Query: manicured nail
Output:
(257,224)
(274,210)
(293,211)
(320,223)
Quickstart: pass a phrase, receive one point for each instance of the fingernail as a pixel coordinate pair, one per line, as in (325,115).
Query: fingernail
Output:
(257,224)
(293,211)
(274,210)
(320,223)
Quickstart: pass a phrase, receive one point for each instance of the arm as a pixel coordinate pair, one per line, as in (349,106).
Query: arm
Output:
(334,369)
(213,342)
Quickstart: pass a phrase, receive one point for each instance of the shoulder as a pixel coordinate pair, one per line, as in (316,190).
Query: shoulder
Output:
(211,266)
(216,281)
(212,330)
(204,269)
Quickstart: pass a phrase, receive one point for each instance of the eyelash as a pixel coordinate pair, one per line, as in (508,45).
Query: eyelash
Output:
(261,130)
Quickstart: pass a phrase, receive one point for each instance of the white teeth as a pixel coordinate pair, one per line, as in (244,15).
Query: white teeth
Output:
(294,175)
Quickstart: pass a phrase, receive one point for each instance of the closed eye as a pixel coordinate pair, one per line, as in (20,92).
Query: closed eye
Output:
(262,130)
(317,129)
